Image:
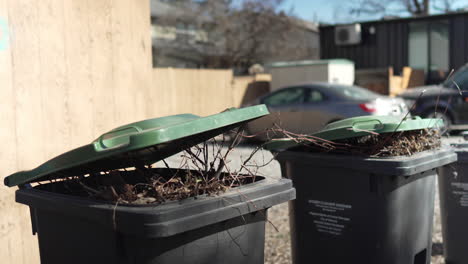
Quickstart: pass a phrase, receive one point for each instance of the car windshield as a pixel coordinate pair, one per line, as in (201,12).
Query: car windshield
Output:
(460,77)
(354,92)
(285,97)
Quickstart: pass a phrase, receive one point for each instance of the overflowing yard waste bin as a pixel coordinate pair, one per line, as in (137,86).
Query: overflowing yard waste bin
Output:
(357,202)
(93,204)
(453,193)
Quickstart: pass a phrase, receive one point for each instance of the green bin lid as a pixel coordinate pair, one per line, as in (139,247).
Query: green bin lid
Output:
(361,126)
(138,144)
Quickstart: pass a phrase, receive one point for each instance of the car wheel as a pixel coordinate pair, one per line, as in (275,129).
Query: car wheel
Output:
(445,118)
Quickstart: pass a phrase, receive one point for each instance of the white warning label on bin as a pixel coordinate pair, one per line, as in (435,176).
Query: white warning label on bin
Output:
(460,189)
(330,217)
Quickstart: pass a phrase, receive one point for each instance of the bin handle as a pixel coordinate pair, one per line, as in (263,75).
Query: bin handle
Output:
(121,138)
(357,126)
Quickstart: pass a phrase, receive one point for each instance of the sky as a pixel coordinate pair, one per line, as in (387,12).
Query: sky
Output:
(316,10)
(333,11)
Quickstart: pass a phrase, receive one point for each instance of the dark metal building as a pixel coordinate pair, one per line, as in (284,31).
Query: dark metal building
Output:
(435,44)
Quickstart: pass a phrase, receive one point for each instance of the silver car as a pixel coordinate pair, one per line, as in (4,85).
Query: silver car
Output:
(307,108)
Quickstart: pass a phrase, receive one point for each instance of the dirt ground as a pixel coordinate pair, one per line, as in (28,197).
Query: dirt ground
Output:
(278,244)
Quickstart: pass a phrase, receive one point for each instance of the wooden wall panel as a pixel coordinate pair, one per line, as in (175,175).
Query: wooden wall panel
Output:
(102,64)
(122,55)
(53,77)
(10,229)
(7,101)
(78,67)
(141,59)
(66,68)
(26,75)
(73,70)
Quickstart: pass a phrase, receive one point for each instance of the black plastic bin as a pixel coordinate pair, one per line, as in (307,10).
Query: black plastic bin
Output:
(228,228)
(352,209)
(223,228)
(453,192)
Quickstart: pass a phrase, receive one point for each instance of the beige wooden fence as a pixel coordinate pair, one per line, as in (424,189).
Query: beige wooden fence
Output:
(71,70)
(201,92)
(246,88)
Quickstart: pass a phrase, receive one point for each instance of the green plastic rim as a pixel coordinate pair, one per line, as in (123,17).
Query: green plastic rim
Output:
(361,126)
(138,144)
(365,125)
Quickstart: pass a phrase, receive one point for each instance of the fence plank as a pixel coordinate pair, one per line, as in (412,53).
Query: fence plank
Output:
(7,97)
(53,79)
(73,70)
(141,60)
(10,230)
(26,73)
(122,56)
(78,67)
(102,65)
(201,92)
(57,89)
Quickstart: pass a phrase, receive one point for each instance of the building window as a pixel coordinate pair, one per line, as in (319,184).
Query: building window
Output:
(428,48)
(418,46)
(439,50)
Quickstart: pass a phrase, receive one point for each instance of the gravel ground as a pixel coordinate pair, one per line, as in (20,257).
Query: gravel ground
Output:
(277,239)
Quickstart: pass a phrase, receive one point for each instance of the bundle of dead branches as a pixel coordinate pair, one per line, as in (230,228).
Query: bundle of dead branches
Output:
(203,171)
(148,185)
(374,144)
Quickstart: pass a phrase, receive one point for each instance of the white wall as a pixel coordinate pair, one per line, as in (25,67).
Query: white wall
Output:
(341,73)
(322,72)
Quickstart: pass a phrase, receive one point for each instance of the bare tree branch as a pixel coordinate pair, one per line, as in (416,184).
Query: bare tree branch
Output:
(445,6)
(241,34)
(397,7)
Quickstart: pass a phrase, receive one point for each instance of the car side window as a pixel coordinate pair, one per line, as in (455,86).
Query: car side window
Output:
(314,96)
(461,81)
(285,97)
